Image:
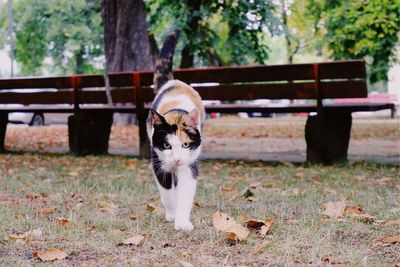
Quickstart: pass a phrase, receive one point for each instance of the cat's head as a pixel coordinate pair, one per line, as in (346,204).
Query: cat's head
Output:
(176,137)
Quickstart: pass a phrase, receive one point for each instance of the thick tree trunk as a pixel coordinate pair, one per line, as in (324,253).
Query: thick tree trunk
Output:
(128,45)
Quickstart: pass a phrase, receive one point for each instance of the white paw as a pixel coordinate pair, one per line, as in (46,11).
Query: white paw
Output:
(183,226)
(170,216)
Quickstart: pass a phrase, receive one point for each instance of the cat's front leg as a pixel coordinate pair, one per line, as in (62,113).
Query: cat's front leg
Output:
(186,189)
(168,199)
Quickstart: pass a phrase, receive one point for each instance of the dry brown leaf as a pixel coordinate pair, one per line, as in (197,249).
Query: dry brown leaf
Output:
(32,196)
(134,216)
(136,240)
(106,207)
(334,210)
(153,208)
(255,224)
(197,204)
(51,254)
(260,246)
(228,192)
(363,218)
(255,185)
(356,209)
(243,219)
(251,199)
(64,222)
(234,230)
(45,211)
(394,222)
(19,239)
(265,228)
(131,165)
(385,241)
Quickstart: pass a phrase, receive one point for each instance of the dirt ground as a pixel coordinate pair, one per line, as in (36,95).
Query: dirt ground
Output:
(267,139)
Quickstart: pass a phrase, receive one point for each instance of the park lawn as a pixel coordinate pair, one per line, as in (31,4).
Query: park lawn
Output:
(107,199)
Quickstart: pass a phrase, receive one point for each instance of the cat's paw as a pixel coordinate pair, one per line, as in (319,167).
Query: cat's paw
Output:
(170,216)
(183,226)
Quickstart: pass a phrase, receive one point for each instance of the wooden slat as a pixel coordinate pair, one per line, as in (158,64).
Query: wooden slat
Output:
(344,89)
(123,96)
(231,92)
(36,82)
(342,69)
(65,97)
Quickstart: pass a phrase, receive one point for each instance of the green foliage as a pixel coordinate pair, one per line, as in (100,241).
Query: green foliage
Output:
(216,32)
(68,35)
(361,29)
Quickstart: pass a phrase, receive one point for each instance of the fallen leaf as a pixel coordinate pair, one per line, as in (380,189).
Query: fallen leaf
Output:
(153,208)
(130,165)
(234,230)
(106,207)
(32,196)
(332,261)
(45,211)
(19,239)
(385,241)
(363,218)
(134,240)
(394,222)
(197,204)
(356,209)
(51,254)
(255,224)
(334,210)
(228,192)
(251,199)
(260,246)
(64,222)
(134,216)
(255,185)
(265,228)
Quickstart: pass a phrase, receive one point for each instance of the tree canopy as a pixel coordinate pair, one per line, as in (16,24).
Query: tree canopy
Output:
(68,34)
(360,29)
(63,37)
(216,32)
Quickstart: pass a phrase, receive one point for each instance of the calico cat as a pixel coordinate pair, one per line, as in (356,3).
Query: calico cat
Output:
(173,128)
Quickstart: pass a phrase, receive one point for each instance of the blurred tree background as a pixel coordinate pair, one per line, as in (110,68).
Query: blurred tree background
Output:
(65,37)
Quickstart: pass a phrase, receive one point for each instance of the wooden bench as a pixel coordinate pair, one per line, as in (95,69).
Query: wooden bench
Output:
(327,134)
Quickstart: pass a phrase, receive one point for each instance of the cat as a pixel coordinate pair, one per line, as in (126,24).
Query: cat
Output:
(174,131)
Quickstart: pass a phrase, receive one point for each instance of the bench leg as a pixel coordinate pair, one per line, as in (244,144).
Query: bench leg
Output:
(89,133)
(3,129)
(328,137)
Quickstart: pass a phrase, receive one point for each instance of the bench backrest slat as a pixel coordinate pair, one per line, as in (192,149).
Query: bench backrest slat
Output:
(342,79)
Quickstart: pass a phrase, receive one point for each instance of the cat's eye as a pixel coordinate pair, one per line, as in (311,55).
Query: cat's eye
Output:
(167,145)
(185,145)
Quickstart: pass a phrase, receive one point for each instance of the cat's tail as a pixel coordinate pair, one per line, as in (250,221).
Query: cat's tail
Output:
(163,72)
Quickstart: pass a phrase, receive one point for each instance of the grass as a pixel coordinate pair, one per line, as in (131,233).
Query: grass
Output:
(76,187)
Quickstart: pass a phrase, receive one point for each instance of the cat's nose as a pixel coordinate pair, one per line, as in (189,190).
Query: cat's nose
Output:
(177,161)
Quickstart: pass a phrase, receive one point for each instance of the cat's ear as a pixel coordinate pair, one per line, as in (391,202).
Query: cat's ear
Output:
(192,119)
(156,119)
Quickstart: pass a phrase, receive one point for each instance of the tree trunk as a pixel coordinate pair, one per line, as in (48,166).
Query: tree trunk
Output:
(128,45)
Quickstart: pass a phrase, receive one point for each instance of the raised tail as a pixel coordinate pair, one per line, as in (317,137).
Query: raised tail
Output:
(163,72)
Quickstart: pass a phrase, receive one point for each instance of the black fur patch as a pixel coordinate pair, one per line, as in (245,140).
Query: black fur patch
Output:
(195,136)
(160,134)
(164,178)
(194,167)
